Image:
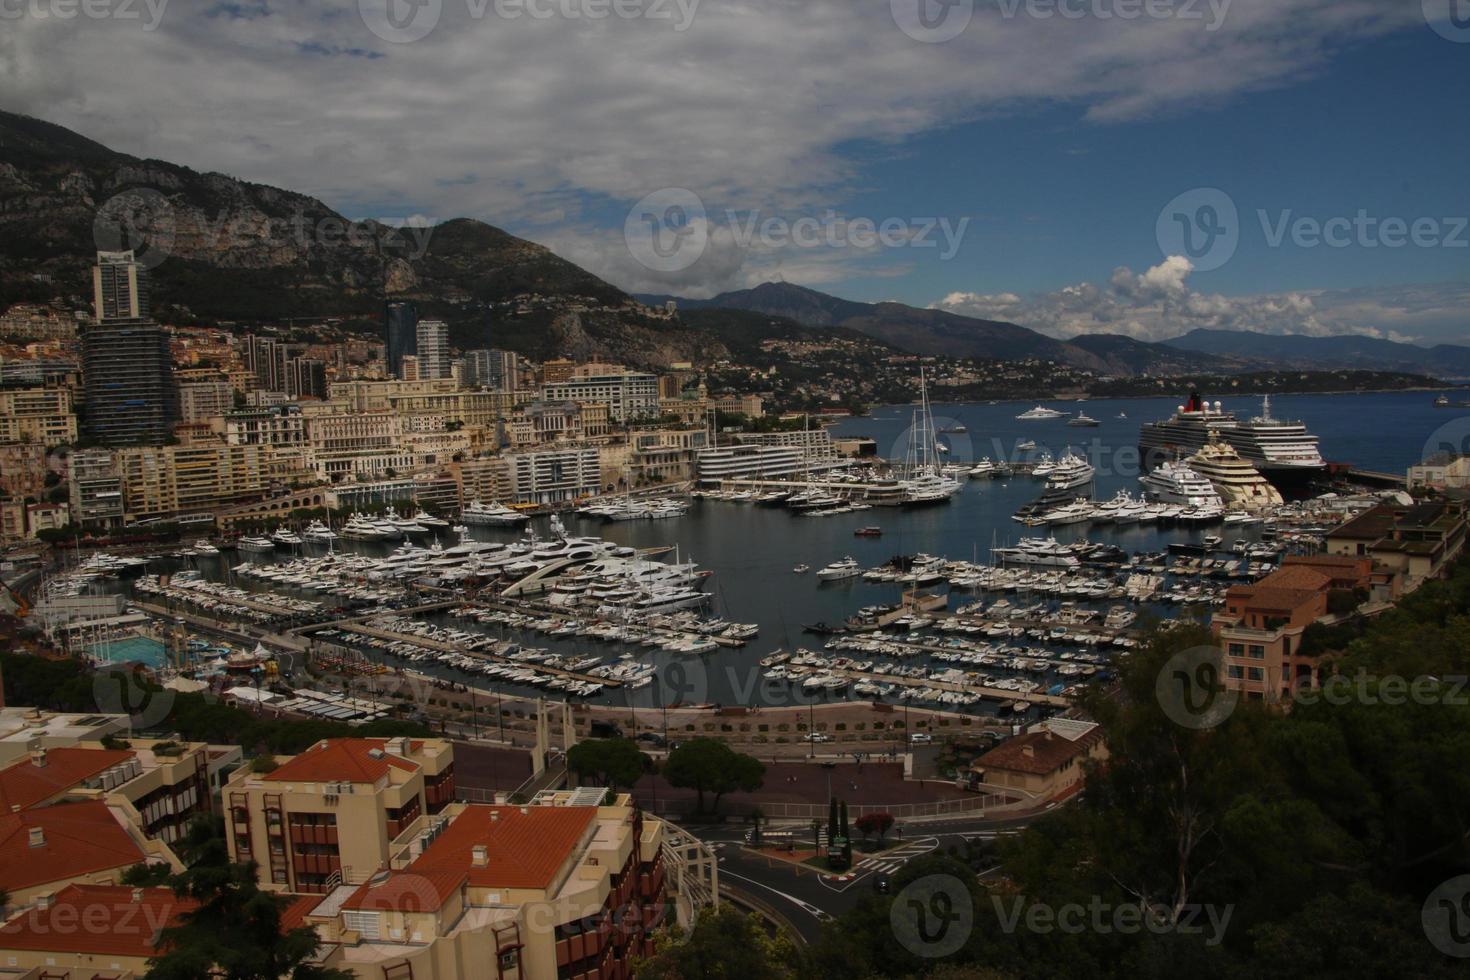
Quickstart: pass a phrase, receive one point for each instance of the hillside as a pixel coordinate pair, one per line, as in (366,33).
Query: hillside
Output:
(937,332)
(224,249)
(1445,360)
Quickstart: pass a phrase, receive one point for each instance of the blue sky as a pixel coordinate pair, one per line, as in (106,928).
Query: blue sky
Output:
(646,147)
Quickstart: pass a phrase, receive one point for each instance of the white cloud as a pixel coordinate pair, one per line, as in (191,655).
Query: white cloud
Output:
(521,122)
(1158,304)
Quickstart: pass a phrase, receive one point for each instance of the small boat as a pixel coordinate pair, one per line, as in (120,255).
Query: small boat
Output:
(1443,401)
(801,569)
(203,547)
(869,532)
(954,429)
(820,629)
(1026,446)
(1083,420)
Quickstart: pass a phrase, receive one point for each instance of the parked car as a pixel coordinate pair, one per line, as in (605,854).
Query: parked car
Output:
(921,738)
(818,737)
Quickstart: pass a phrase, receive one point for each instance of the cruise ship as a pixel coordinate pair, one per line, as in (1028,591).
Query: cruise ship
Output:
(1176,483)
(1239,484)
(1283,451)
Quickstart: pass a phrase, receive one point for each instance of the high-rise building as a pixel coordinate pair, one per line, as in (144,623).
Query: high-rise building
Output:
(402,323)
(433,350)
(128,372)
(498,370)
(306,377)
(119,287)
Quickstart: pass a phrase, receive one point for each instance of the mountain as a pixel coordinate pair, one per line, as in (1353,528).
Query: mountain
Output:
(222,249)
(1343,351)
(938,332)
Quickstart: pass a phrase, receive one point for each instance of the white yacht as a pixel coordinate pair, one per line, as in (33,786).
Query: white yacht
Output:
(1042,552)
(1040,413)
(492,514)
(424,519)
(404,525)
(1177,483)
(1070,472)
(1074,513)
(1083,421)
(255,542)
(286,537)
(318,532)
(983,470)
(838,570)
(203,547)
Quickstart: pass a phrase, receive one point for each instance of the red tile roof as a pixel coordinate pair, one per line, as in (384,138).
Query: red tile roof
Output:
(408,891)
(1048,752)
(80,839)
(25,784)
(341,760)
(524,849)
(103,920)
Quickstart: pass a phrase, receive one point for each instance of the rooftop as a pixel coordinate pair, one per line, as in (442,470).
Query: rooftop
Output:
(55,843)
(1038,753)
(119,921)
(343,760)
(525,847)
(52,772)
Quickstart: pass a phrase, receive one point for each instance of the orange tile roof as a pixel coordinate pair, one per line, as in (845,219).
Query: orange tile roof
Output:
(103,920)
(1048,752)
(25,784)
(424,890)
(341,760)
(80,838)
(525,849)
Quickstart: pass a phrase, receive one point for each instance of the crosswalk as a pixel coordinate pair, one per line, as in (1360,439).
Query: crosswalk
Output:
(890,861)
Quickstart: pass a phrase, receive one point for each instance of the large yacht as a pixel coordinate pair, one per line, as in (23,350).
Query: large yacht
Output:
(1176,483)
(1040,413)
(1070,472)
(1042,552)
(1234,478)
(492,514)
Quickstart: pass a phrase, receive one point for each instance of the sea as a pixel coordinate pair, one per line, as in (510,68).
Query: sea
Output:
(753,550)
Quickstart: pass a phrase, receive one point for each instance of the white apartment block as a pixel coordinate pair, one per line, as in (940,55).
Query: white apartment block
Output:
(203,400)
(749,462)
(627,395)
(554,475)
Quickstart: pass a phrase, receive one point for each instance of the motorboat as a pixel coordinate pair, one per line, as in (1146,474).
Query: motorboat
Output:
(843,569)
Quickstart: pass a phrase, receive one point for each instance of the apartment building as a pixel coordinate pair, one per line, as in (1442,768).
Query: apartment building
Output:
(96,488)
(1415,542)
(23,468)
(280,427)
(433,350)
(131,397)
(38,415)
(1046,762)
(165,481)
(373,396)
(1261,626)
(332,814)
(204,400)
(554,475)
(627,395)
(815,444)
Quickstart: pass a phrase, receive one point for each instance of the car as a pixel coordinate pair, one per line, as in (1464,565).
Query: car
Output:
(818,737)
(881,884)
(921,738)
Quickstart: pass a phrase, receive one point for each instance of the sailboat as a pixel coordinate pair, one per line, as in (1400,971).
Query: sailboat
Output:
(925,481)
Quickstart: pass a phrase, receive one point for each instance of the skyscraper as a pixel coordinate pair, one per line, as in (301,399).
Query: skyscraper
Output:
(497,370)
(127,367)
(119,287)
(433,350)
(402,334)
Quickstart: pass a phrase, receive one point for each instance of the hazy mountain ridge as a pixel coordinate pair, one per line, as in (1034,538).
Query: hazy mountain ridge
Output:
(1347,351)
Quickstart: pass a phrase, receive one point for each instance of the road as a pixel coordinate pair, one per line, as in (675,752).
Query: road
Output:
(807,898)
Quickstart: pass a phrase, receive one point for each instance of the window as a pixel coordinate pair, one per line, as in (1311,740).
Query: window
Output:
(364,923)
(1237,649)
(1236,672)
(1258,652)
(1256,673)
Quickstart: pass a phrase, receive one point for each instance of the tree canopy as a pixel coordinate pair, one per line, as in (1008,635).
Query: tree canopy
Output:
(707,765)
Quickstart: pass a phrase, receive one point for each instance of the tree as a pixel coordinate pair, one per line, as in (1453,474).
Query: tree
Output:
(612,761)
(875,823)
(235,932)
(707,765)
(723,945)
